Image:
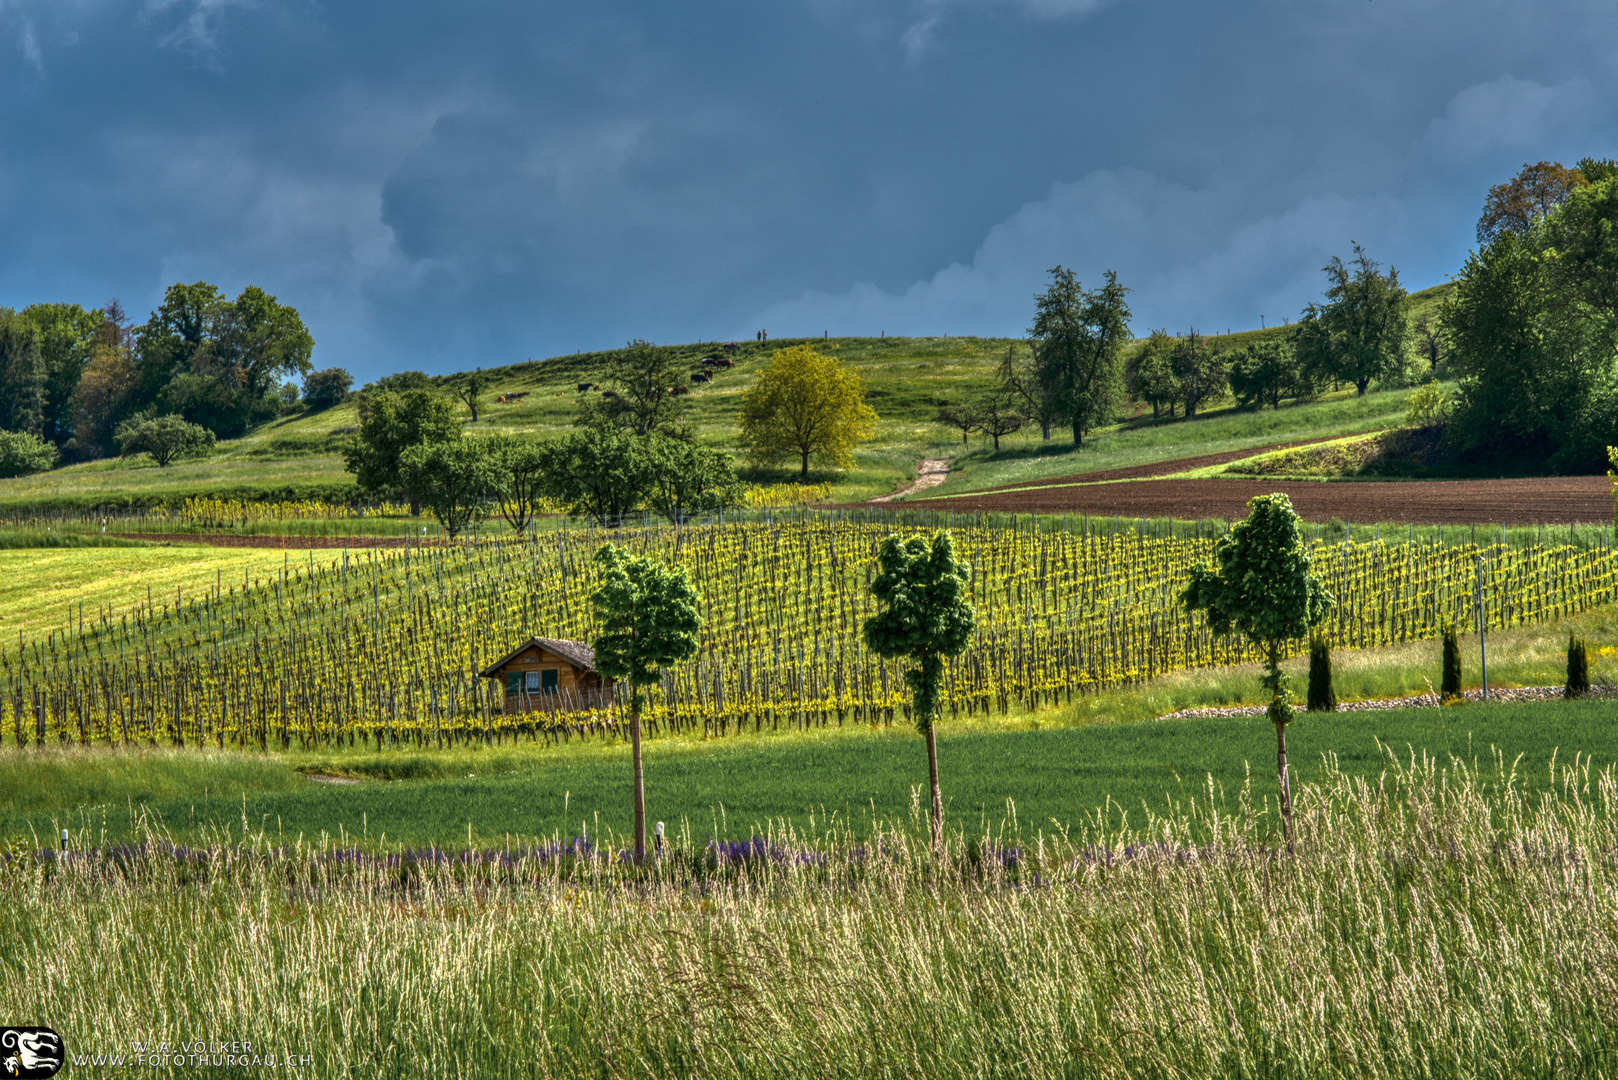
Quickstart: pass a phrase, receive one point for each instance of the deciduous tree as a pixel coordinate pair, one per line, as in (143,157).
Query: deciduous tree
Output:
(22,375)
(456,479)
(684,480)
(639,382)
(1077,337)
(327,387)
(1201,371)
(647,618)
(1020,378)
(523,480)
(602,474)
(961,416)
(804,405)
(66,334)
(1265,373)
(22,454)
(926,616)
(469,388)
(1527,197)
(1264,588)
(998,415)
(390,424)
(1362,331)
(166,438)
(1149,373)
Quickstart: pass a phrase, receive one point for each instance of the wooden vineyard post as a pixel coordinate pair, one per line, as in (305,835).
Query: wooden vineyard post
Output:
(1483,647)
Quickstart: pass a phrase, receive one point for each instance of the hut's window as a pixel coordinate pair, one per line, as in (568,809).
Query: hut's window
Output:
(533,682)
(513,683)
(548,680)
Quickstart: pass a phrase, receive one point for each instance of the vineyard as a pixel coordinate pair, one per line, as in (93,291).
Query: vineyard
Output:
(383,647)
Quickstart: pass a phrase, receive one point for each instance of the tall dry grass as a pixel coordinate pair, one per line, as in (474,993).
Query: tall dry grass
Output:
(1442,921)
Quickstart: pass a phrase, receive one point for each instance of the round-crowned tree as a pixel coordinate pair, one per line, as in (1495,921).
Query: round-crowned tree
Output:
(925,616)
(1264,588)
(647,619)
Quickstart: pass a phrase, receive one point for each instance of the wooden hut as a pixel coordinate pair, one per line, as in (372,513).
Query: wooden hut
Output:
(544,674)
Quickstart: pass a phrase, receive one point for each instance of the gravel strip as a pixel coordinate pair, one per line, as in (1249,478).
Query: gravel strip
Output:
(1520,693)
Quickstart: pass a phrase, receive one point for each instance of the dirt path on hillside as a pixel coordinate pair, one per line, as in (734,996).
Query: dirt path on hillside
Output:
(1554,500)
(930,472)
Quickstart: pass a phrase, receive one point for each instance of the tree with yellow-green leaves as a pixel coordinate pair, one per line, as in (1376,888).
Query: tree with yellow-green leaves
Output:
(805,404)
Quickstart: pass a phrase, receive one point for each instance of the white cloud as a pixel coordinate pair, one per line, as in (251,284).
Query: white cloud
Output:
(1510,114)
(197,31)
(1188,255)
(920,36)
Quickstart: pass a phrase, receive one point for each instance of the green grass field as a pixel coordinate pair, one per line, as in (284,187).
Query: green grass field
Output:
(1046,777)
(42,589)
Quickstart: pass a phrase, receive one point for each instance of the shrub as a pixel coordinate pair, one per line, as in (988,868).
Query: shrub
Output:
(22,454)
(1450,686)
(1427,404)
(1322,695)
(401,381)
(323,389)
(1578,669)
(165,438)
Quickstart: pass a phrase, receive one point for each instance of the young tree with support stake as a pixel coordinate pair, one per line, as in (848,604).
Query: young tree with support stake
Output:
(648,619)
(1264,588)
(926,616)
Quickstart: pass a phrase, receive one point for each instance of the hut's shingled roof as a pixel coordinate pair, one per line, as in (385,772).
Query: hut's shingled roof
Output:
(576,653)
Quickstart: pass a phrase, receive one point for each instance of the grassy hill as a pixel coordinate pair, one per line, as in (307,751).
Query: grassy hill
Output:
(906,379)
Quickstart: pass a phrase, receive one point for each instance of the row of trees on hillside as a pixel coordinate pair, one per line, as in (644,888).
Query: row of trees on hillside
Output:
(79,383)
(633,449)
(1079,365)
(1530,333)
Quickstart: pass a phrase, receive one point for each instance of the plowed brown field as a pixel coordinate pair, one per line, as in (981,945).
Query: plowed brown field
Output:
(1549,500)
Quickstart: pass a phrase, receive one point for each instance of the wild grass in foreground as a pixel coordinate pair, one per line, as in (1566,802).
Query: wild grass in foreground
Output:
(1435,923)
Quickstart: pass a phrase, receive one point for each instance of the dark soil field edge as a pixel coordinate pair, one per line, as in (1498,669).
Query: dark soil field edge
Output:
(1555,500)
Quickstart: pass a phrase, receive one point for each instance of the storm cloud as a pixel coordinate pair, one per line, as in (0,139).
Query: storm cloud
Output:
(441,186)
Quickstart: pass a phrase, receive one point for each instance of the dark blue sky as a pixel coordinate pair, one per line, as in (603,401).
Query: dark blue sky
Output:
(440,185)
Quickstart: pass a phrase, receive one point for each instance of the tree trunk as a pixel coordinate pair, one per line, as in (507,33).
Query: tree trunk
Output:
(996,438)
(640,778)
(932,779)
(1361,385)
(415,506)
(803,476)
(1286,782)
(1078,435)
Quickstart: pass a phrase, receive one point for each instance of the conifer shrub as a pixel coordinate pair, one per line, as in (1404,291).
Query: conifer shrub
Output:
(1322,695)
(1578,668)
(1450,687)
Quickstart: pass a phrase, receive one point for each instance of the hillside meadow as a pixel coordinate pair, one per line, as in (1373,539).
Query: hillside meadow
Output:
(906,380)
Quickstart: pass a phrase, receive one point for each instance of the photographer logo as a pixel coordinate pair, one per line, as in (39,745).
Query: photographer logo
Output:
(29,1052)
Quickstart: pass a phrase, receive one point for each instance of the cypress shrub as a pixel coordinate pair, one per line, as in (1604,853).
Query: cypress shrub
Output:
(1322,695)
(1450,686)
(1578,668)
